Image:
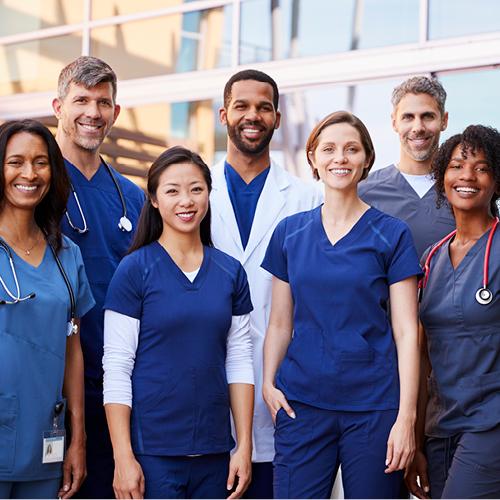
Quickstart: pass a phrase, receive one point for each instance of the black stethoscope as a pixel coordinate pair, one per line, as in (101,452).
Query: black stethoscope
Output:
(124,223)
(483,295)
(16,298)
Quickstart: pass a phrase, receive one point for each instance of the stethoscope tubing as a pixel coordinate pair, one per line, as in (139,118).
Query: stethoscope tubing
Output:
(18,298)
(427,266)
(124,223)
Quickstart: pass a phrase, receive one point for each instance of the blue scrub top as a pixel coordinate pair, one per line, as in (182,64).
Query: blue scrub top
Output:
(32,352)
(463,339)
(244,198)
(180,391)
(388,190)
(342,355)
(102,247)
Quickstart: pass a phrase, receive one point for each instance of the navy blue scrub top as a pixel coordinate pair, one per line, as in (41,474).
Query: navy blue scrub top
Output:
(388,190)
(102,247)
(342,355)
(244,198)
(32,357)
(463,339)
(179,385)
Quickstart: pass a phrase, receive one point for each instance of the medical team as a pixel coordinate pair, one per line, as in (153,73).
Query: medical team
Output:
(182,287)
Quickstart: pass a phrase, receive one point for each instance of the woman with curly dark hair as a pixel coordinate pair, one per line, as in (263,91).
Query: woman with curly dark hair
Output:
(43,289)
(459,413)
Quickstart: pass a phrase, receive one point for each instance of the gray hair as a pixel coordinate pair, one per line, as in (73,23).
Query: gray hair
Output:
(420,85)
(87,71)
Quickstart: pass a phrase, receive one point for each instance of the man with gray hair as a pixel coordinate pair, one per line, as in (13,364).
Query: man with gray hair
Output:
(102,210)
(405,189)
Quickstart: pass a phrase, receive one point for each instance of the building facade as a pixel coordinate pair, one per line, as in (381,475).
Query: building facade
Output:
(173,57)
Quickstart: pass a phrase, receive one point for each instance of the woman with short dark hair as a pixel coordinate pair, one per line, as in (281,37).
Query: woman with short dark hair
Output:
(43,291)
(459,421)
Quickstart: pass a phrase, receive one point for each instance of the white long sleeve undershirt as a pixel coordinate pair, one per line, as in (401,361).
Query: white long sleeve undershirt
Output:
(121,337)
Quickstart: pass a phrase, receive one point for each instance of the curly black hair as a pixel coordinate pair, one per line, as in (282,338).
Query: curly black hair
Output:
(473,138)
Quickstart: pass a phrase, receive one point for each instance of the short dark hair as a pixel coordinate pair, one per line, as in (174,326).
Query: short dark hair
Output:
(50,210)
(87,71)
(341,117)
(251,74)
(150,224)
(473,138)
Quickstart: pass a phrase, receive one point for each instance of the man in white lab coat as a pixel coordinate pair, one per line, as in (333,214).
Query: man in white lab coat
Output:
(250,195)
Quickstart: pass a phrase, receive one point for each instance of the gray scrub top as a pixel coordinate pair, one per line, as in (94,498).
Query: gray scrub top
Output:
(464,342)
(32,357)
(387,190)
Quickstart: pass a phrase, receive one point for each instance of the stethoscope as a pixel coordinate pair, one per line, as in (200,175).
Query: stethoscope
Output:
(483,295)
(16,298)
(124,223)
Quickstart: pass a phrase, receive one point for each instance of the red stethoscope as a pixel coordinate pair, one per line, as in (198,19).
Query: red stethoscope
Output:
(483,295)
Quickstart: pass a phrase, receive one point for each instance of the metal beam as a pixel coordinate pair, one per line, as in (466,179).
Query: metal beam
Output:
(466,53)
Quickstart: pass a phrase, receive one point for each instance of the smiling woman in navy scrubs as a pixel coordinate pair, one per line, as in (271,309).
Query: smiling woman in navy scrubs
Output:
(343,388)
(461,379)
(177,348)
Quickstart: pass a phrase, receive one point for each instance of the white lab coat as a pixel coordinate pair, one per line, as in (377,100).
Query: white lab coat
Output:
(282,195)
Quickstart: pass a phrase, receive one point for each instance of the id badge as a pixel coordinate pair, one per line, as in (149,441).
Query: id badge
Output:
(53,446)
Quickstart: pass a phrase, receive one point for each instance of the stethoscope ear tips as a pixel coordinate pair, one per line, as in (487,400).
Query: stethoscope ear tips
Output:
(125,224)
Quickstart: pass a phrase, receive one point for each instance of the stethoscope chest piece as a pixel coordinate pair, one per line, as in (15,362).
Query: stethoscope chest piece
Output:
(484,296)
(125,224)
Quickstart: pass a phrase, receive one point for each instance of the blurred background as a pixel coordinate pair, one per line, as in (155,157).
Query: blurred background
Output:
(172,58)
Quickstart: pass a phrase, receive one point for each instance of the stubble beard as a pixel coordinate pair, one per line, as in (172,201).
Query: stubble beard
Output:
(250,149)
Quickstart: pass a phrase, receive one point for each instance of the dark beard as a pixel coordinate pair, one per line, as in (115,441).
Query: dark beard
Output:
(250,149)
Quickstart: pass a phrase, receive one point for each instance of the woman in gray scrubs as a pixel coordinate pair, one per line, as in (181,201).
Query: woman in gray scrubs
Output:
(460,314)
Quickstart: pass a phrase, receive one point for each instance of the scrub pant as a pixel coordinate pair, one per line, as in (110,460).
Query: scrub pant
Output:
(46,488)
(100,463)
(262,481)
(310,448)
(465,465)
(204,476)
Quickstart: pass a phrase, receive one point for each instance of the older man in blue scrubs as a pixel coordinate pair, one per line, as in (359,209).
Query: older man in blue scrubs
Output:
(102,211)
(405,189)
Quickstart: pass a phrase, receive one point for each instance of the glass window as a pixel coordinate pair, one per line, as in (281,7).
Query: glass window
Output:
(449,18)
(177,43)
(388,22)
(473,98)
(111,8)
(32,15)
(35,66)
(316,27)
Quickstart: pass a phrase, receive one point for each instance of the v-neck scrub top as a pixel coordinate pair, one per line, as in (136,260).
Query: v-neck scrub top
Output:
(387,190)
(244,198)
(463,340)
(32,357)
(342,355)
(102,247)
(180,391)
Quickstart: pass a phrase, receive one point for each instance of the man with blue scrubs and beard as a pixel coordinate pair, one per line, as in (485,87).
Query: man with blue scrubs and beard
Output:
(250,195)
(406,190)
(103,209)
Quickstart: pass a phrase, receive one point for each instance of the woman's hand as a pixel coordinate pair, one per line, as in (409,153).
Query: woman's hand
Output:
(128,481)
(275,400)
(417,470)
(74,470)
(240,466)
(400,445)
